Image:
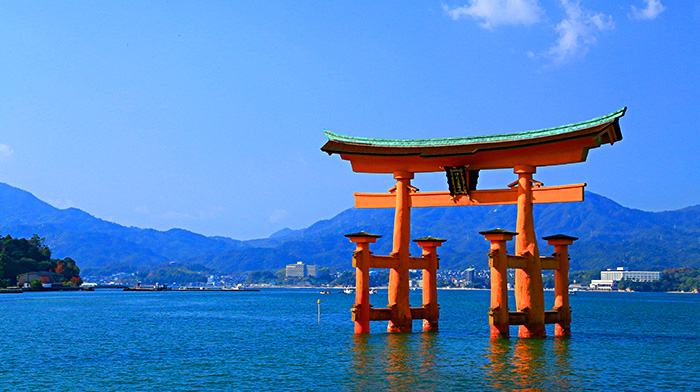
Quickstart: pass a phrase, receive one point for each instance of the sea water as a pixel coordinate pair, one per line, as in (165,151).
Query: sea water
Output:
(272,340)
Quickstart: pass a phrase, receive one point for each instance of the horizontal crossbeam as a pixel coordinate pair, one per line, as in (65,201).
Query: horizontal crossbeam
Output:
(549,263)
(392,262)
(520,318)
(552,194)
(384,314)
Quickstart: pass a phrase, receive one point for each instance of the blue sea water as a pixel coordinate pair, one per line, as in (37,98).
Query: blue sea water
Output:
(272,340)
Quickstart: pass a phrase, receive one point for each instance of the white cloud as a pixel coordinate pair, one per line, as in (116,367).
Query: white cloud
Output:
(61,203)
(5,151)
(498,12)
(652,10)
(278,215)
(578,31)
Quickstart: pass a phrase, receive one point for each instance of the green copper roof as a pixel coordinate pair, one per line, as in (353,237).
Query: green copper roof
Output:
(454,141)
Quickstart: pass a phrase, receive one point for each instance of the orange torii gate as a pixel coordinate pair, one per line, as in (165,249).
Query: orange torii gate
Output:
(462,159)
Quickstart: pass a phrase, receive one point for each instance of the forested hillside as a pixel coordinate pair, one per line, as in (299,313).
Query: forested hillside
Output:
(19,255)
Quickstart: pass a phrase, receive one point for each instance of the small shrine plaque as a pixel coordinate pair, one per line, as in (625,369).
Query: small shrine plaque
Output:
(460,180)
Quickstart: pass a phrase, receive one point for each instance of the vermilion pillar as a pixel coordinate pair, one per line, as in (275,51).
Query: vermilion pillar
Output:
(399,288)
(529,294)
(429,245)
(361,263)
(498,313)
(561,245)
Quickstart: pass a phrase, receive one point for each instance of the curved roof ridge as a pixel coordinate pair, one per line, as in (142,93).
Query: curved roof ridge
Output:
(452,141)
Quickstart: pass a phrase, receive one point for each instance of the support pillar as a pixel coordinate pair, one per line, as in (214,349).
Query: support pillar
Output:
(399,288)
(361,262)
(429,245)
(498,313)
(529,292)
(561,245)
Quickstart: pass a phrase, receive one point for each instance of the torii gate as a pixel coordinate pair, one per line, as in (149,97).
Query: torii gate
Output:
(461,159)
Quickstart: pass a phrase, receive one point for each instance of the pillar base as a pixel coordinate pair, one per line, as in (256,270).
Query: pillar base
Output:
(400,327)
(360,329)
(501,332)
(532,331)
(430,325)
(562,330)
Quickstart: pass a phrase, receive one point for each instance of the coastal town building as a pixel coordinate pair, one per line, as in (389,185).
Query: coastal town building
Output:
(610,278)
(469,275)
(621,273)
(300,270)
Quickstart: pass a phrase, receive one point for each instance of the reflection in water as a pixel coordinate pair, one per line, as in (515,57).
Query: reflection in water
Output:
(424,361)
(564,377)
(530,365)
(362,362)
(428,353)
(499,370)
(530,368)
(397,361)
(400,367)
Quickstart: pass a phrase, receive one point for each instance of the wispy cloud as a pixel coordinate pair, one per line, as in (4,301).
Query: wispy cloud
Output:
(578,31)
(61,203)
(492,13)
(5,151)
(651,11)
(278,215)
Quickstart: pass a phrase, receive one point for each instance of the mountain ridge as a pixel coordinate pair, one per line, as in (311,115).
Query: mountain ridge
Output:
(610,235)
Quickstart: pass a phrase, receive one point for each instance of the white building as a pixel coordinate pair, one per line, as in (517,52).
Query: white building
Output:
(610,278)
(311,270)
(300,270)
(621,273)
(603,284)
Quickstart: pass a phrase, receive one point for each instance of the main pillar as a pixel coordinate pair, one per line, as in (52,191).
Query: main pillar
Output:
(529,293)
(561,245)
(399,288)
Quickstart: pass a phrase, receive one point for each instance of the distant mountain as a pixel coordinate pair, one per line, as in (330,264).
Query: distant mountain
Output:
(95,243)
(610,235)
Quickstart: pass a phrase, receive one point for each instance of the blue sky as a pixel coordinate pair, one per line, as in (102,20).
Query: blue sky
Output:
(209,116)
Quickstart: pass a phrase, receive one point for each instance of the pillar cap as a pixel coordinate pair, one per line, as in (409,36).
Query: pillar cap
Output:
(363,236)
(524,169)
(498,235)
(402,174)
(498,231)
(433,240)
(429,239)
(560,239)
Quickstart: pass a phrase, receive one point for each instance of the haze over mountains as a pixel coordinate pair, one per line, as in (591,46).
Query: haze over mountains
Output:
(610,235)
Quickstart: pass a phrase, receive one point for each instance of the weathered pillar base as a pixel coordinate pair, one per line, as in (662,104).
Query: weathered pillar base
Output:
(398,327)
(500,332)
(562,330)
(532,331)
(430,325)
